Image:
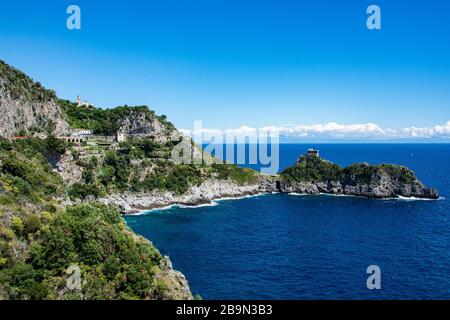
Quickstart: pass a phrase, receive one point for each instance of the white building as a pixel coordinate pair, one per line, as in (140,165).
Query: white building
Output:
(83,103)
(313,153)
(120,137)
(80,133)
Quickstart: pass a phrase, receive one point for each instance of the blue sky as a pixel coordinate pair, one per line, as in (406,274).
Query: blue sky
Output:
(231,63)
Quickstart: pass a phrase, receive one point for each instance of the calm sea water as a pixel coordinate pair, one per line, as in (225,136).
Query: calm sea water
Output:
(316,247)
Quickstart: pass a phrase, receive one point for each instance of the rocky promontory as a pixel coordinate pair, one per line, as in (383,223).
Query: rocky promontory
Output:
(310,175)
(313,175)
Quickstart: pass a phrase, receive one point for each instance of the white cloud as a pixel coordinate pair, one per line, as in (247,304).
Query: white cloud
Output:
(330,130)
(334,129)
(242,131)
(438,131)
(201,131)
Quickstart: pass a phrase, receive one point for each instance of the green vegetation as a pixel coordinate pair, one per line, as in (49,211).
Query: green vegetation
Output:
(311,168)
(39,239)
(170,177)
(142,165)
(24,169)
(93,237)
(116,174)
(21,86)
(364,173)
(142,148)
(235,173)
(106,121)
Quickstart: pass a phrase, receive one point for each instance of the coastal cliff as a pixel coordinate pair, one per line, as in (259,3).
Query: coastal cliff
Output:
(26,106)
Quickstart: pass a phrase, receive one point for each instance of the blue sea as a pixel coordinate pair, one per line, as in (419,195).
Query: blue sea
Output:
(282,246)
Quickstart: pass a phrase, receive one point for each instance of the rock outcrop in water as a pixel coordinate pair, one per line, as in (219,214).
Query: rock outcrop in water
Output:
(313,175)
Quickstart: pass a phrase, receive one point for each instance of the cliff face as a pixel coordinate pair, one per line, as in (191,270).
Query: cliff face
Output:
(382,188)
(384,184)
(25,106)
(140,123)
(177,287)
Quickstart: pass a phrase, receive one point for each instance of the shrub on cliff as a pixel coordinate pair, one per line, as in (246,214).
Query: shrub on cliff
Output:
(20,85)
(25,172)
(235,173)
(113,263)
(311,168)
(105,121)
(365,173)
(315,169)
(181,177)
(83,191)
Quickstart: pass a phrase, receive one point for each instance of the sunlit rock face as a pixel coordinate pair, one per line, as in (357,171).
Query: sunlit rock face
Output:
(25,106)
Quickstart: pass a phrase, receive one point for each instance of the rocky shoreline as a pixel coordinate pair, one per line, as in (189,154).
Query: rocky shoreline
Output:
(213,189)
(385,190)
(208,191)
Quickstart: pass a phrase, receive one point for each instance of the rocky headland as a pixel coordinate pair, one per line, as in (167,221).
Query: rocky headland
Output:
(313,175)
(310,175)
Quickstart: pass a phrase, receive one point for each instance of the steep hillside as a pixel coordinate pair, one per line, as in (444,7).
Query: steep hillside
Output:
(42,233)
(136,121)
(26,106)
(40,239)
